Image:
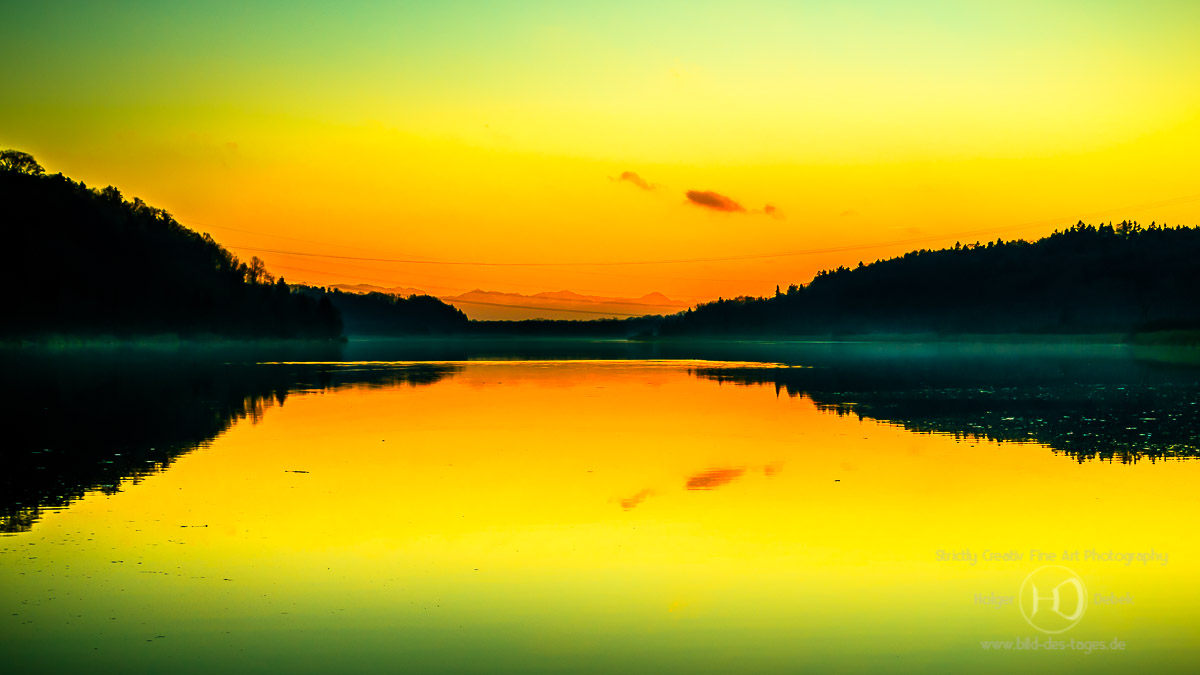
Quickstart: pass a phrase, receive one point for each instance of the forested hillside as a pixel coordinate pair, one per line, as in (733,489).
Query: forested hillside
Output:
(86,261)
(1084,279)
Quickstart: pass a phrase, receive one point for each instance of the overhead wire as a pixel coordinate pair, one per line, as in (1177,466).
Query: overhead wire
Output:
(749,256)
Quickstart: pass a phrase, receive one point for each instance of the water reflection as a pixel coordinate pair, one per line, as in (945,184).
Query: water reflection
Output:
(713,478)
(597,517)
(1087,404)
(82,421)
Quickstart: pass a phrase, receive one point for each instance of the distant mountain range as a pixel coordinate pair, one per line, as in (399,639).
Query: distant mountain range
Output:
(484,305)
(372,288)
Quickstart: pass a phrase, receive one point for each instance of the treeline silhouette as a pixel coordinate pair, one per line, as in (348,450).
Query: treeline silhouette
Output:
(87,261)
(83,420)
(386,314)
(1085,279)
(90,262)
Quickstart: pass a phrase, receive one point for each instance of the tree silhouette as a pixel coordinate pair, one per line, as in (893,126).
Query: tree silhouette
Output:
(88,262)
(20,162)
(256,272)
(1085,279)
(386,314)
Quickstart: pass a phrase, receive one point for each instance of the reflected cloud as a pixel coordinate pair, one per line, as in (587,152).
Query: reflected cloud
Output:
(713,478)
(631,177)
(631,502)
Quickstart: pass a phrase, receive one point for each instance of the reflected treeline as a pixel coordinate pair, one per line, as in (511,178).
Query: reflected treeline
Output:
(81,420)
(1099,403)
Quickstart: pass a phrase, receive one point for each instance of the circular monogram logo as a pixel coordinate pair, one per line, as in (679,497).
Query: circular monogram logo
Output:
(1053,599)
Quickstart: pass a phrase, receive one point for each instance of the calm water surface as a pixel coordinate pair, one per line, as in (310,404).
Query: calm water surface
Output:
(604,515)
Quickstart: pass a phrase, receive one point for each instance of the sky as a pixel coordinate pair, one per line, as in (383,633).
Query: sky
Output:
(725,148)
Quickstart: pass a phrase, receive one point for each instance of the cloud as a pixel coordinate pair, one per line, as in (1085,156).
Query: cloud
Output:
(630,502)
(719,202)
(713,478)
(636,180)
(714,201)
(770,210)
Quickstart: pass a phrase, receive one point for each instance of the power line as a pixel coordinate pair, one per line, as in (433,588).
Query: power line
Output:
(750,256)
(455,300)
(196,223)
(459,288)
(359,276)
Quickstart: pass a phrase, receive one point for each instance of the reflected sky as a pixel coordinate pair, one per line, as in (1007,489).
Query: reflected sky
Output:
(597,517)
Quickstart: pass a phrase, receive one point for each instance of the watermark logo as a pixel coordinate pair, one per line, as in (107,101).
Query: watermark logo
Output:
(1053,599)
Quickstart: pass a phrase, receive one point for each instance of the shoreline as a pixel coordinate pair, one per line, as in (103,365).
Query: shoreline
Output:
(169,342)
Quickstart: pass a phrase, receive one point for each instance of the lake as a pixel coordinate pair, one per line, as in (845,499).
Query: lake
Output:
(575,506)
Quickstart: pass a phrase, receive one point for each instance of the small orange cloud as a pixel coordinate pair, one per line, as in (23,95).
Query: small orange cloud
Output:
(770,210)
(714,200)
(636,180)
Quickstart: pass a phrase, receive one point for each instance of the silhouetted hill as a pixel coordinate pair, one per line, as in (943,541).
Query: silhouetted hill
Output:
(89,262)
(388,314)
(1085,279)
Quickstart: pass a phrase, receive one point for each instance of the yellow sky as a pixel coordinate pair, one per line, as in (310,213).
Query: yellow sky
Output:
(481,133)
